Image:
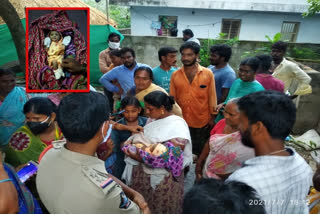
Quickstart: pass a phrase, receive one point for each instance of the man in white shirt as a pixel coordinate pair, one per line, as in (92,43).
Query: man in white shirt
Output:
(288,72)
(189,37)
(280,176)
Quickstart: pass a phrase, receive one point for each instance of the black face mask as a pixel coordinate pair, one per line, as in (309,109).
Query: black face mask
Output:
(38,127)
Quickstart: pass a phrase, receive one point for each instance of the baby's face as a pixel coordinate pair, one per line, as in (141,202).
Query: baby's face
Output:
(54,36)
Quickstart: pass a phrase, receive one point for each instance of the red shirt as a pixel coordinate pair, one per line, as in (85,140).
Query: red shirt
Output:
(219,127)
(270,83)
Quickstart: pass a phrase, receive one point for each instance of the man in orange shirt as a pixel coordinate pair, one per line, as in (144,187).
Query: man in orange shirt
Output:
(193,87)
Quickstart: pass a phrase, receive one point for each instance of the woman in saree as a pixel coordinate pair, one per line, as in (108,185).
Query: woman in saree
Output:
(40,130)
(143,78)
(41,76)
(160,179)
(12,99)
(224,152)
(246,84)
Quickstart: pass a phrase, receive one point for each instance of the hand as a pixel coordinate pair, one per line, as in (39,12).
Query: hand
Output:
(221,105)
(198,172)
(135,156)
(141,202)
(110,145)
(135,129)
(71,65)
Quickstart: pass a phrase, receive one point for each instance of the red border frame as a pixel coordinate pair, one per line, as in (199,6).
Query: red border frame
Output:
(88,47)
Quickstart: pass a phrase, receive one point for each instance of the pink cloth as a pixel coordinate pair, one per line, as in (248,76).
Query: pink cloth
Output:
(270,83)
(218,128)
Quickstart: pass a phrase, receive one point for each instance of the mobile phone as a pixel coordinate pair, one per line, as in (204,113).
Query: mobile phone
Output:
(27,171)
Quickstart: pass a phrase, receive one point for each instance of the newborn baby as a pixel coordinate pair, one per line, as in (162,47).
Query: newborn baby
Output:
(55,46)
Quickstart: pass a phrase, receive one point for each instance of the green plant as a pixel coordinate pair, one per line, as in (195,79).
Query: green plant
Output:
(304,53)
(265,48)
(207,43)
(166,23)
(314,7)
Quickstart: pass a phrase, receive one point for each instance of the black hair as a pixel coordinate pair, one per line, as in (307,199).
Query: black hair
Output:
(280,45)
(222,50)
(188,32)
(144,68)
(275,110)
(130,101)
(126,49)
(158,99)
(164,51)
(195,47)
(81,115)
(265,63)
(4,72)
(113,35)
(212,196)
(115,52)
(252,62)
(39,105)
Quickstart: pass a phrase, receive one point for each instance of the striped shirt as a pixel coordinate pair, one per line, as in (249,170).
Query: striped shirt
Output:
(282,182)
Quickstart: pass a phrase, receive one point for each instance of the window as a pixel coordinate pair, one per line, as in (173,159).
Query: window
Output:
(231,27)
(168,25)
(290,31)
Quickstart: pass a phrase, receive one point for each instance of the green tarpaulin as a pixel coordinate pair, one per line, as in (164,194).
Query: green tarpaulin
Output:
(98,42)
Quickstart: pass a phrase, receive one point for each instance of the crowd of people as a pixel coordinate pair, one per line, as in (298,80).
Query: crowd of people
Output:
(129,149)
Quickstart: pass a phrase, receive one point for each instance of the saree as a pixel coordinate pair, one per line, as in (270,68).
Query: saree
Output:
(153,87)
(239,89)
(27,203)
(11,115)
(162,191)
(25,146)
(41,76)
(226,155)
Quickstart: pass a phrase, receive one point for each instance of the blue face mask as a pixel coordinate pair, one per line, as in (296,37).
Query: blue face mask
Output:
(105,138)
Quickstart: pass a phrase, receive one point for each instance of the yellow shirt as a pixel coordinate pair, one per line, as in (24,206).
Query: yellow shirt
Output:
(288,72)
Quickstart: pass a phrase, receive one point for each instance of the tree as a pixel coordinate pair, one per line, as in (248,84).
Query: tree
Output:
(314,7)
(11,18)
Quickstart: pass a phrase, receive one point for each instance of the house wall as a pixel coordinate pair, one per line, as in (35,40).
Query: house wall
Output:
(207,23)
(298,6)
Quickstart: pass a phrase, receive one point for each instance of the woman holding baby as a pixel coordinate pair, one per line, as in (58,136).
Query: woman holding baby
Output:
(155,169)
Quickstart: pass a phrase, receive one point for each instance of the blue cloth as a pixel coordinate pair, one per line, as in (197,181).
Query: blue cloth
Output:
(27,203)
(11,114)
(109,163)
(224,78)
(162,78)
(124,77)
(119,137)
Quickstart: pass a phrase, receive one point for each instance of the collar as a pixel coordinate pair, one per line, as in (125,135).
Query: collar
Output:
(76,157)
(199,68)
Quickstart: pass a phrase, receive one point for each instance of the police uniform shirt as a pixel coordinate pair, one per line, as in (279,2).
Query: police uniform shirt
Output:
(70,182)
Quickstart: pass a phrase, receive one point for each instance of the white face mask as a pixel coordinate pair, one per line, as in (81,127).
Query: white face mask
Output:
(105,138)
(114,45)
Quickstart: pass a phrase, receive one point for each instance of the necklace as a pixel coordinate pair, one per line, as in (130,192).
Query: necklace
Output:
(272,153)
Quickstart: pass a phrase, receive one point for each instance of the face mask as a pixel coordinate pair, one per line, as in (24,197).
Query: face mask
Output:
(114,45)
(105,138)
(38,127)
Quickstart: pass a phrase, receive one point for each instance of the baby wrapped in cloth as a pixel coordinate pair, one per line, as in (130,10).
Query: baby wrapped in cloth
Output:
(158,158)
(55,46)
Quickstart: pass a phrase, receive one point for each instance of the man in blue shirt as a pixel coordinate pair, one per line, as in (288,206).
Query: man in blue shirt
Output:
(123,73)
(224,75)
(162,74)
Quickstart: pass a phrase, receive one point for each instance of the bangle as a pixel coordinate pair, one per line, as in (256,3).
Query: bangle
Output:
(5,180)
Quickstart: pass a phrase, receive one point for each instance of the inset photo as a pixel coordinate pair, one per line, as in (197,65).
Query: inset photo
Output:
(57,52)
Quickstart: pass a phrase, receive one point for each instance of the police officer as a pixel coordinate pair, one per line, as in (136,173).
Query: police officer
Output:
(71,179)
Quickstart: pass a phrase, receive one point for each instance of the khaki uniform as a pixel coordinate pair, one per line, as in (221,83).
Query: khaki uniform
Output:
(70,182)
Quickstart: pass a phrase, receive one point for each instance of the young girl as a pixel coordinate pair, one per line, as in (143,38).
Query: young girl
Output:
(132,108)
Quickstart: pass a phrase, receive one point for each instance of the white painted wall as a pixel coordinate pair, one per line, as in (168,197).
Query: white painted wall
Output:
(254,25)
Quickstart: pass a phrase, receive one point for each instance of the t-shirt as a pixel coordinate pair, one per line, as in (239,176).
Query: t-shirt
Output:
(162,78)
(224,78)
